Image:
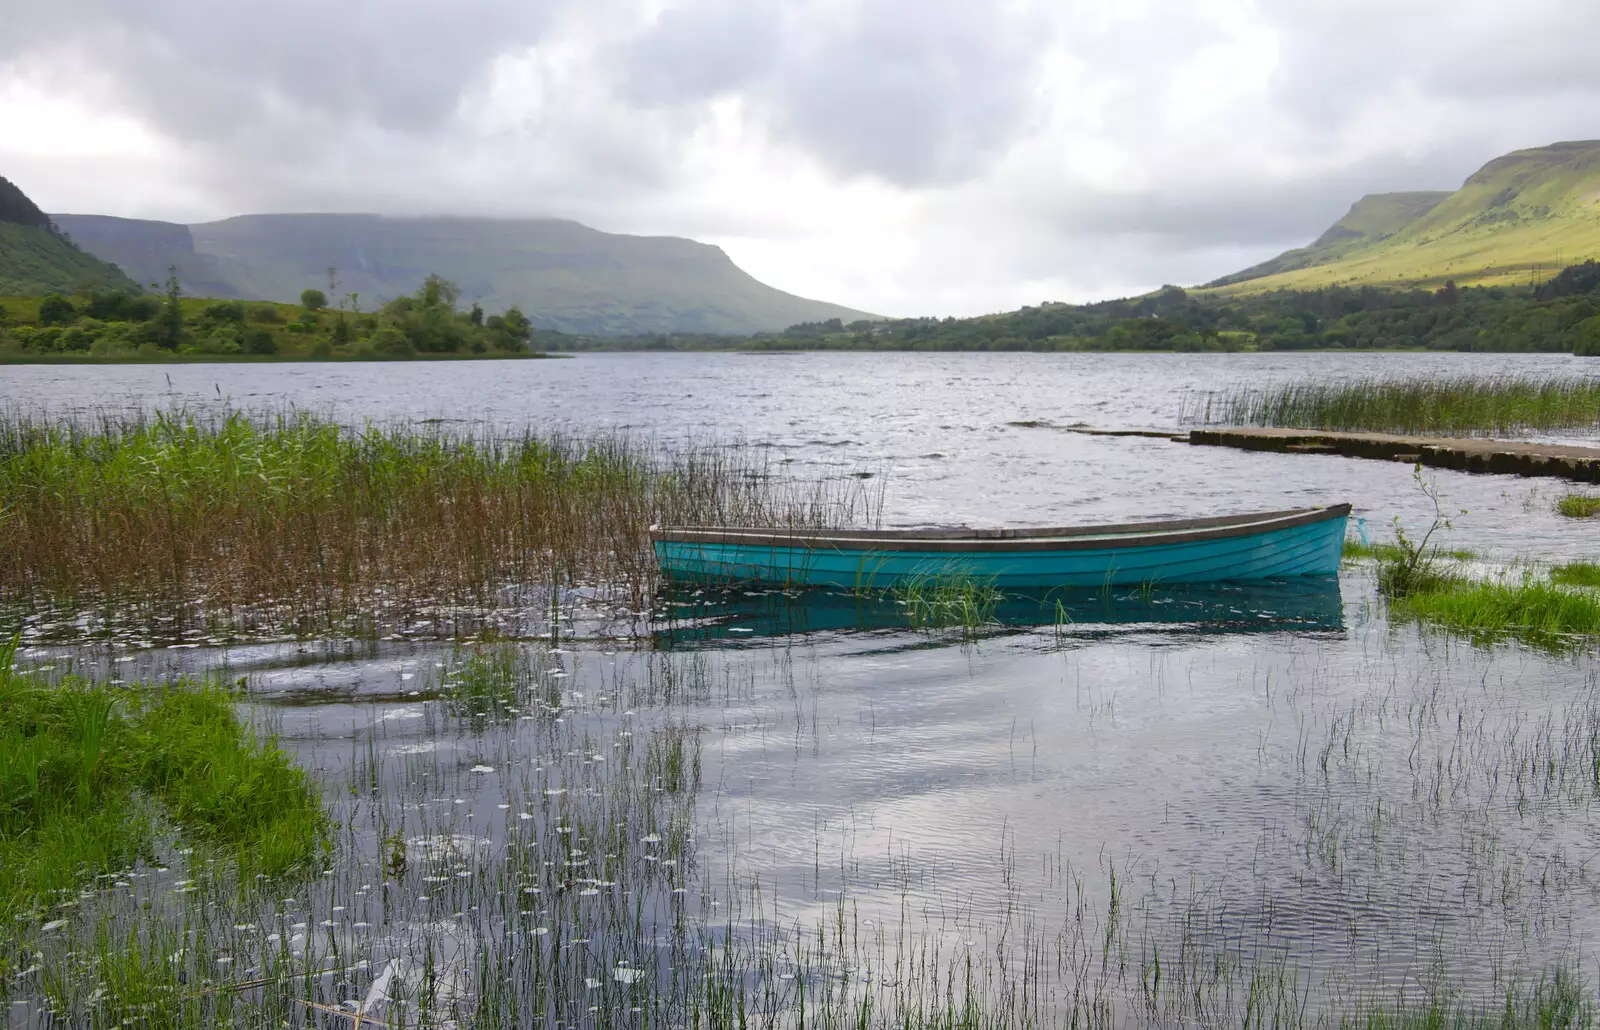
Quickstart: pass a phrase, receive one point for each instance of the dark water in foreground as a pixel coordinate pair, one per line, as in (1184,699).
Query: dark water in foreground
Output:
(1231,780)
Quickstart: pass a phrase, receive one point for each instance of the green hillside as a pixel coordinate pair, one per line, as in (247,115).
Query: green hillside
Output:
(35,260)
(1373,218)
(1521,218)
(565,276)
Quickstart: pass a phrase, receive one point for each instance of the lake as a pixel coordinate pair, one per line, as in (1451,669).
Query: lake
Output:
(940,428)
(1171,809)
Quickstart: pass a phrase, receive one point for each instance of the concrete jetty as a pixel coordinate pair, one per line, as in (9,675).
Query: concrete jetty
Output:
(1464,454)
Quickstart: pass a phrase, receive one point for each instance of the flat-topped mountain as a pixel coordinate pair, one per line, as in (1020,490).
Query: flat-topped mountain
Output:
(1520,218)
(564,275)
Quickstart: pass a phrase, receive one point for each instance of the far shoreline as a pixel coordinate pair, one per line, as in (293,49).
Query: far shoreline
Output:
(257,359)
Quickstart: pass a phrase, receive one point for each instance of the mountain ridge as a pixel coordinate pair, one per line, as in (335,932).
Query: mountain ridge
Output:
(1522,216)
(564,275)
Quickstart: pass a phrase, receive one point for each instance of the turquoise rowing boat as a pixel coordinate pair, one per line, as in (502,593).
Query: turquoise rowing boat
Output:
(1232,548)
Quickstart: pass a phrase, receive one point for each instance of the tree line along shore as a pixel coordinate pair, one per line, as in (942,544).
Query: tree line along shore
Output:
(109,324)
(1559,315)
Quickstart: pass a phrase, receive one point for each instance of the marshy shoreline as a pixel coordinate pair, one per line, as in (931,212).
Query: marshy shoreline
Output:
(540,823)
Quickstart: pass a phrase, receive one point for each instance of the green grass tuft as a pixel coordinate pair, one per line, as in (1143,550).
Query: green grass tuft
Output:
(946,601)
(1393,552)
(1540,613)
(89,773)
(1579,506)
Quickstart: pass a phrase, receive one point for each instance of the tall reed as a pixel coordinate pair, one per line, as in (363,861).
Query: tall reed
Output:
(177,509)
(1454,405)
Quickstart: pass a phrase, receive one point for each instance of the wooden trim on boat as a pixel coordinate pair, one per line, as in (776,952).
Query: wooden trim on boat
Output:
(1066,538)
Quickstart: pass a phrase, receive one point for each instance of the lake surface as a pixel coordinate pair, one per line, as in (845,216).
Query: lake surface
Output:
(1260,794)
(940,428)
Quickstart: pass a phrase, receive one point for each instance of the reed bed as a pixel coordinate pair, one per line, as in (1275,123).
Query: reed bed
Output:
(173,512)
(1455,406)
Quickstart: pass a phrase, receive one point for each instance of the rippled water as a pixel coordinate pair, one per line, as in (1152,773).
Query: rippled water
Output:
(940,427)
(1268,775)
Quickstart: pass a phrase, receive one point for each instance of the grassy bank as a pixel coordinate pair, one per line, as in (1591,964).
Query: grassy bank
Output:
(1386,552)
(1540,613)
(1437,406)
(170,512)
(91,775)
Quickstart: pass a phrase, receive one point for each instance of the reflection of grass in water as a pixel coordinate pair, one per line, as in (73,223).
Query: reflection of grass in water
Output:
(1579,506)
(88,772)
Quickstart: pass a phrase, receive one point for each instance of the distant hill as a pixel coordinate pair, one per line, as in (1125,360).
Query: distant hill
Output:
(147,250)
(562,274)
(1521,217)
(34,259)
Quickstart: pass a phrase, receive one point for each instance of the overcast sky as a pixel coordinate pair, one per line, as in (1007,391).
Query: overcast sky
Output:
(900,156)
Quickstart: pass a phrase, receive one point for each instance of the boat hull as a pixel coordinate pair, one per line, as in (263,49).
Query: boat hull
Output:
(1305,548)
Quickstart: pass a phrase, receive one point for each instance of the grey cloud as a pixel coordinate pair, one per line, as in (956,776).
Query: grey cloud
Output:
(916,92)
(693,54)
(1335,61)
(202,69)
(1256,211)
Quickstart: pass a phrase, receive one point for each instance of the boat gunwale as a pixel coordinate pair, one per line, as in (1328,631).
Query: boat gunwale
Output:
(1067,538)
